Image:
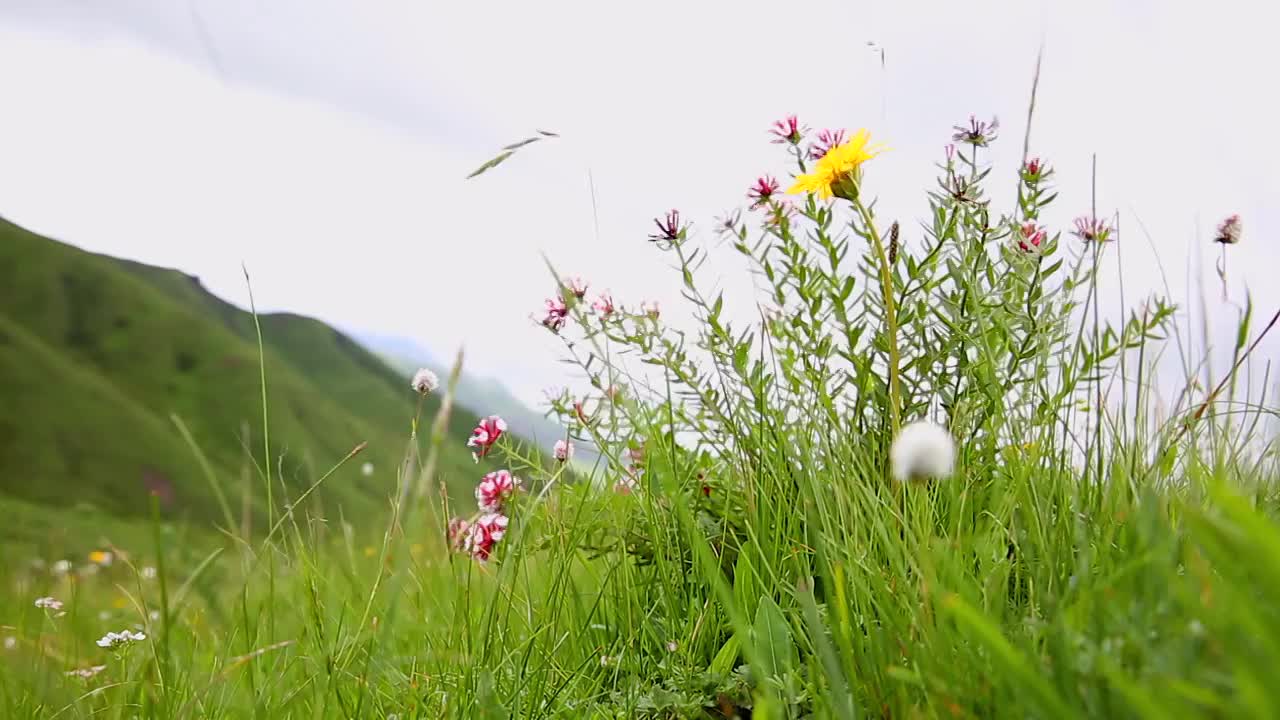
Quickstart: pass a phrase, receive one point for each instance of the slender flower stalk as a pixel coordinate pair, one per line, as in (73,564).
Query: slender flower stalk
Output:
(890,313)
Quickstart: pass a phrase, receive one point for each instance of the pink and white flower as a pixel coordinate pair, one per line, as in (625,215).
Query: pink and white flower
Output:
(494,488)
(484,534)
(563,450)
(1034,171)
(1030,238)
(486,434)
(604,305)
(48,603)
(977,133)
(1091,229)
(762,191)
(576,286)
(827,139)
(787,131)
(1229,231)
(457,532)
(556,314)
(670,228)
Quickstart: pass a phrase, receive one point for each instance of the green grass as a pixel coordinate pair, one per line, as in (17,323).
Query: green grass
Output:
(1083,560)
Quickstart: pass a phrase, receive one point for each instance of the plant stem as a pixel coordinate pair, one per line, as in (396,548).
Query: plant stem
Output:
(890,313)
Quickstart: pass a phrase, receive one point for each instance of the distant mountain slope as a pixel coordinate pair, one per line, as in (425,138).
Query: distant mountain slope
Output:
(96,353)
(485,395)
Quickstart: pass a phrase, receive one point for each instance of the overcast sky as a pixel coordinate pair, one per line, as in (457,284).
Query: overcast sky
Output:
(324,143)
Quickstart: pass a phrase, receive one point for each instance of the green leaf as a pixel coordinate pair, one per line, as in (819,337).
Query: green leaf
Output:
(772,638)
(727,658)
(491,164)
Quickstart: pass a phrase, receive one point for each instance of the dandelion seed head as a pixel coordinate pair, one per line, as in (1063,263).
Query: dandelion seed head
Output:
(425,381)
(922,449)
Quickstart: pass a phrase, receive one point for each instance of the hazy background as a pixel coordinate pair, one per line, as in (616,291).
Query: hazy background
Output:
(324,143)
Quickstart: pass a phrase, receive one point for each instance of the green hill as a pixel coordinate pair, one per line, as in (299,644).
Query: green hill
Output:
(97,353)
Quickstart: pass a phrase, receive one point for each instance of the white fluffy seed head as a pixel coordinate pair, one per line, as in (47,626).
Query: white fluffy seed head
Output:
(425,381)
(922,449)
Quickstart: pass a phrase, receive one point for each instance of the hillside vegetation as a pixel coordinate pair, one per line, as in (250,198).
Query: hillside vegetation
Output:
(97,354)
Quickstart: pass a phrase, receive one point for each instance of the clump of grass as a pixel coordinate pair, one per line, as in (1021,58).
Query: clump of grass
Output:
(741,547)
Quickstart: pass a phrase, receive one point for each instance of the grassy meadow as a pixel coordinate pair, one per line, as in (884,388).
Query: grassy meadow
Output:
(740,547)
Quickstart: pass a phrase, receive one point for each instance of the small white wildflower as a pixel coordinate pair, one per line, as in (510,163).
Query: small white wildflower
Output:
(605,660)
(62,567)
(48,603)
(85,673)
(104,615)
(425,382)
(148,573)
(922,450)
(367,469)
(154,615)
(10,642)
(114,640)
(672,646)
(1196,628)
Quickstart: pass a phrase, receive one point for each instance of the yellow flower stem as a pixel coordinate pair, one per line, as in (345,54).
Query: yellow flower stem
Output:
(890,313)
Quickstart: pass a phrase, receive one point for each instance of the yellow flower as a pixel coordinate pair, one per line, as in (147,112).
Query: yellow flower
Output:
(100,557)
(841,164)
(369,551)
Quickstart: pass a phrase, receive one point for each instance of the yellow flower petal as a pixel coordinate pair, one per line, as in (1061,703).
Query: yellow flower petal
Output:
(838,164)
